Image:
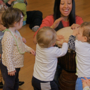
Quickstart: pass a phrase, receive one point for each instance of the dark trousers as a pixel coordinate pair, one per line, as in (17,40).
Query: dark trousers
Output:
(10,82)
(44,85)
(34,18)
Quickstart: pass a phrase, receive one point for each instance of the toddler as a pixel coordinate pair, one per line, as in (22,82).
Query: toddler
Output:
(46,59)
(13,48)
(82,47)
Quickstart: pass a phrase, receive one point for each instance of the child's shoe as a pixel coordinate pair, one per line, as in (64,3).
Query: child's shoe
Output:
(21,83)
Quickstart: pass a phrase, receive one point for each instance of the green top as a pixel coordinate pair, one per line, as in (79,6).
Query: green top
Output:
(22,7)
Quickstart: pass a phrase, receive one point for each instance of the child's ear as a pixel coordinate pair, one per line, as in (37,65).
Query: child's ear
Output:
(85,39)
(15,23)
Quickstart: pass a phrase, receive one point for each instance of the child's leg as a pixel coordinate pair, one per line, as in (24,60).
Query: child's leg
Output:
(79,84)
(16,79)
(43,85)
(10,82)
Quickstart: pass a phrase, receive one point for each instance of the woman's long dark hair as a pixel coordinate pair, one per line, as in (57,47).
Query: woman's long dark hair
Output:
(57,14)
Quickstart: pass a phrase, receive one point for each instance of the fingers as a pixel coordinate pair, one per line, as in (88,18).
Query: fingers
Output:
(60,19)
(74,26)
(56,23)
(33,52)
(59,37)
(11,73)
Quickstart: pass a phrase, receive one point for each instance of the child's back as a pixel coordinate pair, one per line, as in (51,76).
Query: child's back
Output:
(46,59)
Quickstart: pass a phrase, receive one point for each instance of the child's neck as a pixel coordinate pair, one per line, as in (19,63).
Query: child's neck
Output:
(13,29)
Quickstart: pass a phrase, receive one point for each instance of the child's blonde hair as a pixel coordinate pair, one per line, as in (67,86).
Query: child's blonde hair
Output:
(86,30)
(46,37)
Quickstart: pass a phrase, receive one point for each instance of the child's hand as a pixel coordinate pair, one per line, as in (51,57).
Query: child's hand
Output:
(85,82)
(12,73)
(24,40)
(2,27)
(75,26)
(59,37)
(75,31)
(32,52)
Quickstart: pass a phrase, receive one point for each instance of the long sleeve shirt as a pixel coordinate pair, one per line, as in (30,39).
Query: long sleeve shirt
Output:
(11,57)
(82,56)
(46,61)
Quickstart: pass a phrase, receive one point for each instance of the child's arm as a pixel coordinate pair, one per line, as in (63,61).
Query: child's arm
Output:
(71,42)
(61,51)
(8,45)
(29,49)
(72,38)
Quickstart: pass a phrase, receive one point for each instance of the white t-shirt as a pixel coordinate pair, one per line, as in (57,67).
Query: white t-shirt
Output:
(83,58)
(46,61)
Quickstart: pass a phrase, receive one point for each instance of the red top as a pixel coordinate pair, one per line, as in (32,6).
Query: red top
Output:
(49,20)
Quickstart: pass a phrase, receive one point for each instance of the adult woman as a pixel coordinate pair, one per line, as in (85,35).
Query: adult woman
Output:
(64,16)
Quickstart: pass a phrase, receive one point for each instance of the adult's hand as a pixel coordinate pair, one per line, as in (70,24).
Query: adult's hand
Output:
(56,23)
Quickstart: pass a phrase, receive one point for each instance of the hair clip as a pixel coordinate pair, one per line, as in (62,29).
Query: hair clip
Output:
(21,16)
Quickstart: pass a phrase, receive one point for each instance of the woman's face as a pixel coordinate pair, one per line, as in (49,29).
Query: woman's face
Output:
(65,7)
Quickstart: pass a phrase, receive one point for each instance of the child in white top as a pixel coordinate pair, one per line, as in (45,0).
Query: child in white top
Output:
(46,59)
(13,48)
(82,47)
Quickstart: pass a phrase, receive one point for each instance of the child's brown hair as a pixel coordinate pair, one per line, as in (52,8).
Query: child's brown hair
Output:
(10,16)
(86,30)
(46,37)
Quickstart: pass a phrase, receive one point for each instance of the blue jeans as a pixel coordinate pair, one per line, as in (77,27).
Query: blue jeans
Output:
(79,83)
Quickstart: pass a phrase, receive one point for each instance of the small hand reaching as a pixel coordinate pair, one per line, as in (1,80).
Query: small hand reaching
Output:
(85,82)
(32,52)
(59,37)
(74,26)
(75,32)
(12,73)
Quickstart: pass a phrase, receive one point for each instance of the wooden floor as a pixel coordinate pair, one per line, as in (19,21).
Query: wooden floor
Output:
(46,6)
